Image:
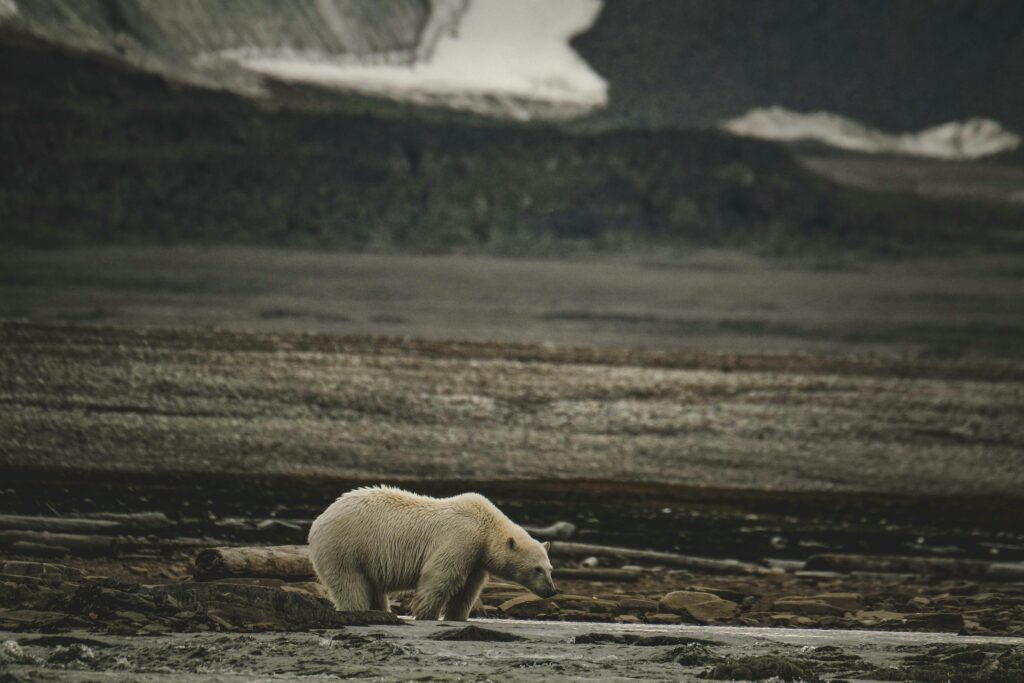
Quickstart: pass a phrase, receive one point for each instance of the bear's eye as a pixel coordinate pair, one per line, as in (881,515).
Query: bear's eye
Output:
(539,569)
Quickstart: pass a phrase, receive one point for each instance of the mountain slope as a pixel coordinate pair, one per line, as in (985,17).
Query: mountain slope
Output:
(96,153)
(897,66)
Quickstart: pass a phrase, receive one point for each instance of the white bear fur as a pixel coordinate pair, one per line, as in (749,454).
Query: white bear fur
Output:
(377,540)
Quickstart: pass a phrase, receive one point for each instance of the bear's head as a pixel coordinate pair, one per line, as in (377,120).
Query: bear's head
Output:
(521,559)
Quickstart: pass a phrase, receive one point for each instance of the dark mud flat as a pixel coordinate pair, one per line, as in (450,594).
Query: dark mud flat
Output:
(963,306)
(419,651)
(217,402)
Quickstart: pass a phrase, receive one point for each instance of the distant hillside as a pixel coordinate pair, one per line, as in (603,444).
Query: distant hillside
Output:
(897,66)
(97,153)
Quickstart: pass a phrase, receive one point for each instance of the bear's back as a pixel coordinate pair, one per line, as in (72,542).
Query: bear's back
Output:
(389,533)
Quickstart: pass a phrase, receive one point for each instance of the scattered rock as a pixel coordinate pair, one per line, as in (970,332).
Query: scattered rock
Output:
(806,606)
(702,607)
(477,634)
(527,606)
(781,619)
(580,615)
(46,571)
(918,602)
(641,641)
(636,606)
(75,652)
(54,640)
(759,669)
(660,618)
(599,639)
(848,602)
(627,619)
(724,593)
(690,654)
(30,620)
(496,598)
(876,617)
(601,606)
(935,621)
(11,653)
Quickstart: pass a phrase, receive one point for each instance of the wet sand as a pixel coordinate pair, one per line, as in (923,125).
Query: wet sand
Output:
(552,651)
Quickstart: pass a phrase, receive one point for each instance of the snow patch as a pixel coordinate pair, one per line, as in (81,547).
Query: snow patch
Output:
(956,140)
(495,55)
(8,8)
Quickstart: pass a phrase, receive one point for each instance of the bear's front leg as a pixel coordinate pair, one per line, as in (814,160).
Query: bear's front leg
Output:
(459,607)
(442,579)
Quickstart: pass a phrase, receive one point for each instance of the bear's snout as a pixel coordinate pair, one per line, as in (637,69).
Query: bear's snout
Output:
(544,586)
(546,591)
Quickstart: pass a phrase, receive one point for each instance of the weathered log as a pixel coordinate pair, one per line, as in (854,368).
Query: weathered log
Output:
(72,525)
(75,544)
(565,549)
(137,522)
(931,566)
(101,523)
(47,543)
(289,562)
(559,531)
(619,575)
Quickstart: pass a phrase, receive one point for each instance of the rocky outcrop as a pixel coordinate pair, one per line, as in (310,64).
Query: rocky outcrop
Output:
(201,41)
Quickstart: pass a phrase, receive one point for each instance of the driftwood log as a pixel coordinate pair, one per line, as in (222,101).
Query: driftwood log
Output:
(288,562)
(929,566)
(109,524)
(291,562)
(565,549)
(618,575)
(559,531)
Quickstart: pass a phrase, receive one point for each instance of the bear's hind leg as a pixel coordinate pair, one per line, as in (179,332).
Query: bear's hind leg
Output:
(461,604)
(350,591)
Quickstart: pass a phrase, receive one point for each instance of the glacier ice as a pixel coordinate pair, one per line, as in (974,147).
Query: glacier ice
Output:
(956,140)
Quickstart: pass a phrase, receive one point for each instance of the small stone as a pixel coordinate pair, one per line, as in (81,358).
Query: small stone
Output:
(602,606)
(783,619)
(877,617)
(918,602)
(636,605)
(952,622)
(136,617)
(580,615)
(848,602)
(527,606)
(806,606)
(627,619)
(661,618)
(218,618)
(702,607)
(723,593)
(12,653)
(590,563)
(75,652)
(476,633)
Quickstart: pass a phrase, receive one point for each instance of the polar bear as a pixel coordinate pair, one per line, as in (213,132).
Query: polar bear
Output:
(376,540)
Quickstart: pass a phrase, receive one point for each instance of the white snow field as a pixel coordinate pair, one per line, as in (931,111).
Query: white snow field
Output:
(8,8)
(956,140)
(510,58)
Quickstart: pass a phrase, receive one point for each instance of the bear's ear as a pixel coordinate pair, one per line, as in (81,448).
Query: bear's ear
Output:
(547,545)
(511,543)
